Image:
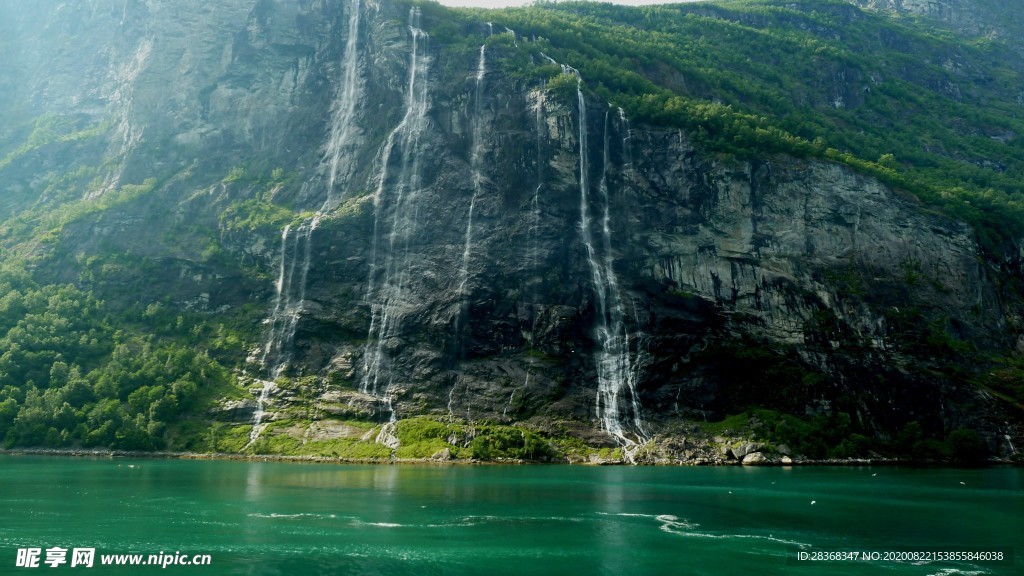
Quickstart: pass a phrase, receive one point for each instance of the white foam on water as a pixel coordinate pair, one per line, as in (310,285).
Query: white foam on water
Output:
(290,516)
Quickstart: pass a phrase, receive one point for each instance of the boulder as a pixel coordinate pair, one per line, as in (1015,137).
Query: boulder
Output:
(754,458)
(443,455)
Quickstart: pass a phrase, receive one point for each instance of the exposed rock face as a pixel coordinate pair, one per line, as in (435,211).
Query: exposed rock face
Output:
(514,311)
(975,17)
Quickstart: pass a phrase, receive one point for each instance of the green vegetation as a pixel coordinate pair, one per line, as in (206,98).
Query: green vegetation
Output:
(255,215)
(915,106)
(52,128)
(836,436)
(920,109)
(258,212)
(44,222)
(69,378)
(422,437)
(1006,378)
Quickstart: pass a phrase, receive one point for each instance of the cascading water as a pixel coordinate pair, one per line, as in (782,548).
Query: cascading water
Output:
(476,161)
(342,141)
(296,252)
(476,158)
(515,39)
(617,368)
(627,149)
(535,202)
(621,362)
(396,205)
(289,294)
(526,385)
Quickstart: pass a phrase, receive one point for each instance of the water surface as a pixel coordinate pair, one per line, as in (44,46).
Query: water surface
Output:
(256,518)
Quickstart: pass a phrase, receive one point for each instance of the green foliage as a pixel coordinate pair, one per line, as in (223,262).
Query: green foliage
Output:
(416,430)
(422,437)
(732,424)
(1006,378)
(254,214)
(51,128)
(258,213)
(235,174)
(854,446)
(913,331)
(837,436)
(966,446)
(495,442)
(931,449)
(847,281)
(908,437)
(45,222)
(820,436)
(563,87)
(821,79)
(213,437)
(69,378)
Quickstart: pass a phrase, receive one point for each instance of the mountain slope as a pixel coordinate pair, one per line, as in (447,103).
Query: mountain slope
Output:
(370,229)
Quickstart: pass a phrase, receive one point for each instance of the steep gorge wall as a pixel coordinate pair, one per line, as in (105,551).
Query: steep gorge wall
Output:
(708,269)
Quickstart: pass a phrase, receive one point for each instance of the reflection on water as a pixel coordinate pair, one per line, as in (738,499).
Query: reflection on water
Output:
(276,518)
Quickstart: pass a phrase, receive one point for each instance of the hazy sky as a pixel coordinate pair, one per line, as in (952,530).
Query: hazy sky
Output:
(503,3)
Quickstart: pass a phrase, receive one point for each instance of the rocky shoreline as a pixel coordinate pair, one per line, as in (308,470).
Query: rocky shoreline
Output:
(447,460)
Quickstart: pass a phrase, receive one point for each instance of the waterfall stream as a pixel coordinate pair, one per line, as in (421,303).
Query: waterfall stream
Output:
(475,162)
(617,361)
(397,210)
(296,243)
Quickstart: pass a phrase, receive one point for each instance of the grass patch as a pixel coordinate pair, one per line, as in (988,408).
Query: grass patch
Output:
(735,424)
(347,448)
(226,438)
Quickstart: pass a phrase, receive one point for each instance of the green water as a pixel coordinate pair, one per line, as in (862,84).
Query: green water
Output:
(281,518)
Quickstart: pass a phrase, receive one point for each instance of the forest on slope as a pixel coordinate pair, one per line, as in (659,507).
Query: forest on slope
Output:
(905,99)
(929,111)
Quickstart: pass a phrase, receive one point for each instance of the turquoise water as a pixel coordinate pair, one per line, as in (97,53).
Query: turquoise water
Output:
(283,518)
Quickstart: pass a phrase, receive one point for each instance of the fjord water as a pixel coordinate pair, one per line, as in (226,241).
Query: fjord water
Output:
(284,518)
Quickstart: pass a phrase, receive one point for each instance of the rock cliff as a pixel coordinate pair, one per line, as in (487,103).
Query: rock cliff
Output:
(423,231)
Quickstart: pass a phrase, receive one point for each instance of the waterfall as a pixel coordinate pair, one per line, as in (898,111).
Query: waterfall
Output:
(451,399)
(261,403)
(621,365)
(396,206)
(533,256)
(341,143)
(504,413)
(617,367)
(296,244)
(475,161)
(627,149)
(535,202)
(288,298)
